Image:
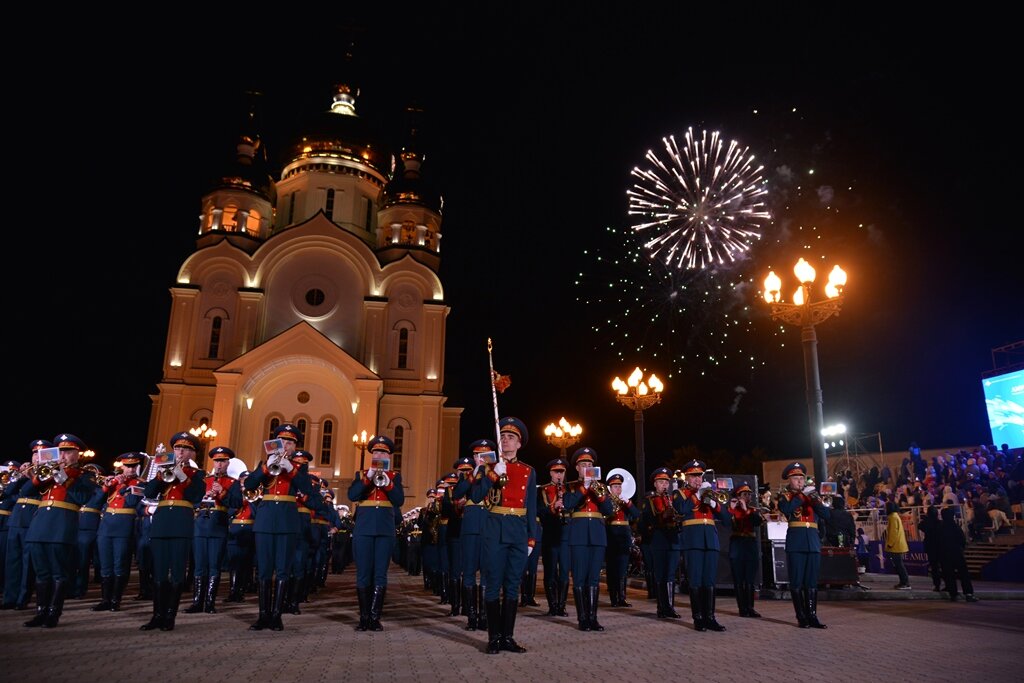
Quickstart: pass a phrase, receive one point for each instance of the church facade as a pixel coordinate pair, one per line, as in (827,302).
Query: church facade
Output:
(314,298)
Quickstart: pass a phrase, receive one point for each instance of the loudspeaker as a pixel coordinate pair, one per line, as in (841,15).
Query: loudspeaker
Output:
(838,566)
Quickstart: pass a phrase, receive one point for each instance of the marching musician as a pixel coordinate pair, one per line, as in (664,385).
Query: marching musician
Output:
(429,516)
(144,547)
(620,540)
(302,552)
(322,518)
(443,565)
(277,524)
(377,494)
(699,537)
(803,509)
(241,541)
(11,472)
(510,532)
(454,503)
(211,533)
(173,528)
(19,577)
(473,518)
(744,553)
(589,504)
(54,529)
(662,532)
(117,531)
(554,519)
(88,524)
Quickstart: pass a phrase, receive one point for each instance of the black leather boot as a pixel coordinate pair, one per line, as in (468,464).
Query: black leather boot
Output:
(443,581)
(592,602)
(60,590)
(212,584)
(613,593)
(696,609)
(198,588)
(469,600)
(145,585)
(670,601)
(234,588)
(120,582)
(364,596)
(494,639)
(265,589)
(751,612)
(157,620)
(580,596)
(622,593)
(293,594)
(481,609)
(709,609)
(551,593)
(563,597)
(652,591)
(106,593)
(277,606)
(172,599)
(799,607)
(529,589)
(508,627)
(455,597)
(812,608)
(43,596)
(662,600)
(376,607)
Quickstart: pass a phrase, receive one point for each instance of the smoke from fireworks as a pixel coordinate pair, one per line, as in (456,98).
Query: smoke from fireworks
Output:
(702,208)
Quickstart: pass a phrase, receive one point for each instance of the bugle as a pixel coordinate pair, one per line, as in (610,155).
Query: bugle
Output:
(381,479)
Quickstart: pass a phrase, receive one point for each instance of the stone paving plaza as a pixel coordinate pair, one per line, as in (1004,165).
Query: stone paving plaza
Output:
(895,635)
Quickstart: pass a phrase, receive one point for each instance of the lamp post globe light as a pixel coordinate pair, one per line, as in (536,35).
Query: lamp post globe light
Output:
(563,435)
(638,396)
(806,313)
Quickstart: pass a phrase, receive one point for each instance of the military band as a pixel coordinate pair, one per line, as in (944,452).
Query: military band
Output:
(484,521)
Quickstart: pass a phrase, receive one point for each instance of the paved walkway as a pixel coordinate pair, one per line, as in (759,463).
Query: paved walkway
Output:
(910,638)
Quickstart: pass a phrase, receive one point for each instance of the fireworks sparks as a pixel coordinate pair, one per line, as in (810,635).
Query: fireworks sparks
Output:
(701,209)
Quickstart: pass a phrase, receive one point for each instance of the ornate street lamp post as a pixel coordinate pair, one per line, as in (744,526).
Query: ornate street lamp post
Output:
(563,435)
(360,441)
(806,313)
(638,396)
(205,433)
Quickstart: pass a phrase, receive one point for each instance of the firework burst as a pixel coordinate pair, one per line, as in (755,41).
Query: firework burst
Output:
(703,207)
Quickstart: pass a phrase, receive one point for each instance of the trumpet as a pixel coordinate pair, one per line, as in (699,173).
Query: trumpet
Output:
(253,495)
(44,472)
(274,468)
(166,474)
(598,487)
(709,494)
(7,476)
(381,479)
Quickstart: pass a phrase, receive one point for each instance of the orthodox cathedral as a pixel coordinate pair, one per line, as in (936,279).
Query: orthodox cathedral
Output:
(315,299)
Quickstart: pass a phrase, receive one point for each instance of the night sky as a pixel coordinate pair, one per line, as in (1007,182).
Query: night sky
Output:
(532,122)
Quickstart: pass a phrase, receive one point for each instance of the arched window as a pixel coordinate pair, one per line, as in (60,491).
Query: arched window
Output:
(329,208)
(326,441)
(403,348)
(301,424)
(396,457)
(215,329)
(274,424)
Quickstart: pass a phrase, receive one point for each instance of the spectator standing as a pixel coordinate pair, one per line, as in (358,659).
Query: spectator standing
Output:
(954,565)
(932,545)
(896,545)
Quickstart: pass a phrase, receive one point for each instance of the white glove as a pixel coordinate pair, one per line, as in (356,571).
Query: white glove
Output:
(500,467)
(705,485)
(60,476)
(179,473)
(529,550)
(809,489)
(370,472)
(713,503)
(286,465)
